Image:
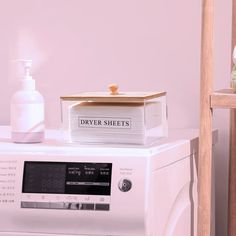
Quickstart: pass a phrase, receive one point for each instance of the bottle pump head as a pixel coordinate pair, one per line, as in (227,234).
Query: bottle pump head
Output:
(27,82)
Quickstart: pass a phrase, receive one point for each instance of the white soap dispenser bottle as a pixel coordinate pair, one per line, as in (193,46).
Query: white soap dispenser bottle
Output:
(27,110)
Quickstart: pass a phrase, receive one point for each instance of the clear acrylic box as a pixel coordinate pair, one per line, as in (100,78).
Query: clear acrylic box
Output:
(126,118)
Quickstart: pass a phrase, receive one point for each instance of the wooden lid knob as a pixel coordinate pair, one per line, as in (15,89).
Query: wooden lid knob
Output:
(113,88)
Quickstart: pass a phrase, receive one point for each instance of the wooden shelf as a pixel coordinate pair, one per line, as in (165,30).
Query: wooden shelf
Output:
(225,98)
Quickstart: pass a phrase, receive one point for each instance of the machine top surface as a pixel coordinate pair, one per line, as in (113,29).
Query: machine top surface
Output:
(55,143)
(180,144)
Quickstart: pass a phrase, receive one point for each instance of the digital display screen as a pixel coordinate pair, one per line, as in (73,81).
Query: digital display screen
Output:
(67,178)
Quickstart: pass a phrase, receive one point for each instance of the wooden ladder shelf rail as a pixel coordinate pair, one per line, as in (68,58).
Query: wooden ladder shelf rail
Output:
(225,98)
(205,138)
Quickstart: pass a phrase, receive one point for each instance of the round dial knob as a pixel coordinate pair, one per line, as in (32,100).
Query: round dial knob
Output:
(125,185)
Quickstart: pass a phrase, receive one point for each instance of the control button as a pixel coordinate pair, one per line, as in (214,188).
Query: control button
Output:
(102,207)
(42,205)
(125,185)
(87,206)
(80,206)
(74,206)
(28,204)
(57,205)
(66,205)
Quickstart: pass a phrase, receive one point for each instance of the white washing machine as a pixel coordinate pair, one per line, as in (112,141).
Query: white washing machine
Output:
(59,189)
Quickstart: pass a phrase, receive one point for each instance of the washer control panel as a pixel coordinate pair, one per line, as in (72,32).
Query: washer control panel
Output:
(60,185)
(66,185)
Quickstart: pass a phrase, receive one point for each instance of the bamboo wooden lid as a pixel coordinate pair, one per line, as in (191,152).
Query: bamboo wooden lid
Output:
(114,96)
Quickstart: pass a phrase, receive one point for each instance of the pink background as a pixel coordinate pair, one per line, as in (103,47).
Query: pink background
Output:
(83,45)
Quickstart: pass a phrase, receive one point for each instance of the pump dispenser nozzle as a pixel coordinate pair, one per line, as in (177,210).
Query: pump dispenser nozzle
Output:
(27,82)
(27,66)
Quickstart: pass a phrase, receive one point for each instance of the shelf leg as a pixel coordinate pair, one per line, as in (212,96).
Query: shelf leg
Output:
(205,137)
(232,176)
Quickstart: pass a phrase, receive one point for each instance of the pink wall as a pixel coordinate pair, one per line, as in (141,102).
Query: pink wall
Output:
(141,45)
